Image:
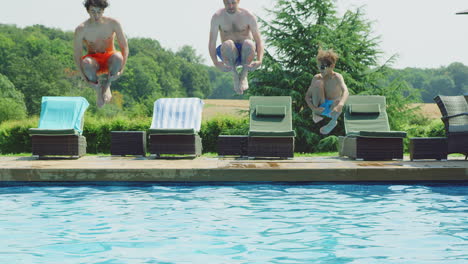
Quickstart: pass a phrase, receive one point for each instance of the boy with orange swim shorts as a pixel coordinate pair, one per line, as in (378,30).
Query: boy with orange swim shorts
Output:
(98,34)
(102,59)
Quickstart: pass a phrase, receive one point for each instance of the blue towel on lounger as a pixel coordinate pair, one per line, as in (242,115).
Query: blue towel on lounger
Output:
(59,112)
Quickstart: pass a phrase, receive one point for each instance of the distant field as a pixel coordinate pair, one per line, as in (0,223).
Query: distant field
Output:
(214,107)
(430,111)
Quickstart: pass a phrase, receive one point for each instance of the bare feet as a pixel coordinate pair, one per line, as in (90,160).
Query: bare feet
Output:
(243,81)
(235,76)
(99,99)
(316,118)
(244,85)
(97,87)
(106,93)
(326,129)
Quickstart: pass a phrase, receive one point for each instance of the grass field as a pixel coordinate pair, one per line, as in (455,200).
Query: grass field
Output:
(430,110)
(215,107)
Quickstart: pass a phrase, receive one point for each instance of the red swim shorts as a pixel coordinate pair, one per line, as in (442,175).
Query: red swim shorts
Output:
(102,59)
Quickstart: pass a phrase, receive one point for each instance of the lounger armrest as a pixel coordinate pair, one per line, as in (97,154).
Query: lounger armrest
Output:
(452,116)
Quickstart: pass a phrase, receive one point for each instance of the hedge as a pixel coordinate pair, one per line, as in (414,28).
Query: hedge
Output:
(14,137)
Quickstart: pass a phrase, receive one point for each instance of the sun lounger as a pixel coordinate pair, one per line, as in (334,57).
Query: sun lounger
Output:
(60,127)
(454,110)
(271,133)
(368,134)
(175,127)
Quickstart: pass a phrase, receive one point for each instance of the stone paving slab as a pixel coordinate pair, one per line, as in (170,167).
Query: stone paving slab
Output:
(322,169)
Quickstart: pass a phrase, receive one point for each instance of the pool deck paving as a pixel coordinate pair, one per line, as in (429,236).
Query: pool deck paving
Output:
(204,169)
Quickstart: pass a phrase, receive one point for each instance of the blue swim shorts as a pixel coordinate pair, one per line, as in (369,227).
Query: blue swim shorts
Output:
(239,49)
(327,105)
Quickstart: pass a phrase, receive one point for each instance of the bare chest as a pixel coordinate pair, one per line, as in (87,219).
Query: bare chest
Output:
(234,26)
(332,89)
(330,84)
(98,33)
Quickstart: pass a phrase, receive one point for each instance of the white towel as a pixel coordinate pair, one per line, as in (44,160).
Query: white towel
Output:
(179,113)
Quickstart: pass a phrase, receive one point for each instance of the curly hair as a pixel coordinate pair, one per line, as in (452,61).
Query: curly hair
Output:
(98,3)
(327,56)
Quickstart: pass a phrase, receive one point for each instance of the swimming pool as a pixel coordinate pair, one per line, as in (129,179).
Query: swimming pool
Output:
(235,223)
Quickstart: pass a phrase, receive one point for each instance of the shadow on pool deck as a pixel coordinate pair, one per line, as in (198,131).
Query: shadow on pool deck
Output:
(302,169)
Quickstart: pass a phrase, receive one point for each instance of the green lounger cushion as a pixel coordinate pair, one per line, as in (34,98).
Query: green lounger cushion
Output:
(265,110)
(364,109)
(172,131)
(378,134)
(457,128)
(366,116)
(52,132)
(365,122)
(271,124)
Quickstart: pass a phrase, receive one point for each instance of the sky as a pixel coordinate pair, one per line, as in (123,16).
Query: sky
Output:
(422,33)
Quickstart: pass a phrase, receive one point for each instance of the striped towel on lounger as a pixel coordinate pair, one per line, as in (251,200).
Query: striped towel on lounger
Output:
(177,113)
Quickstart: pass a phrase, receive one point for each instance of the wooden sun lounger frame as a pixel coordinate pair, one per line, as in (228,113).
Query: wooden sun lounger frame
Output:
(66,145)
(370,148)
(175,144)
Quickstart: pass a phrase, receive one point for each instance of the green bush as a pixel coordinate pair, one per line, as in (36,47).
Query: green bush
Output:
(11,109)
(435,129)
(423,128)
(328,144)
(97,131)
(210,130)
(14,137)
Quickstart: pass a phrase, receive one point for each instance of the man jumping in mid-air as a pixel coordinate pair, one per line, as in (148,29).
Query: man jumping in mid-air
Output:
(237,27)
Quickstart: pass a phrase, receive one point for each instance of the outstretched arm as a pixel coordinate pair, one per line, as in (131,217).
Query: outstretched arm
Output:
(258,42)
(78,50)
(214,28)
(314,85)
(344,94)
(123,44)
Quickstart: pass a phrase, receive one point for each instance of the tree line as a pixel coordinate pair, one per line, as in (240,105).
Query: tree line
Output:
(445,80)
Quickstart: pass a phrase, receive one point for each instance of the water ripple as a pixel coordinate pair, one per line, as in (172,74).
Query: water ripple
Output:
(234,224)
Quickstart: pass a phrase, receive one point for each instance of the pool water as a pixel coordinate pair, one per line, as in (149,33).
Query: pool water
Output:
(262,223)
